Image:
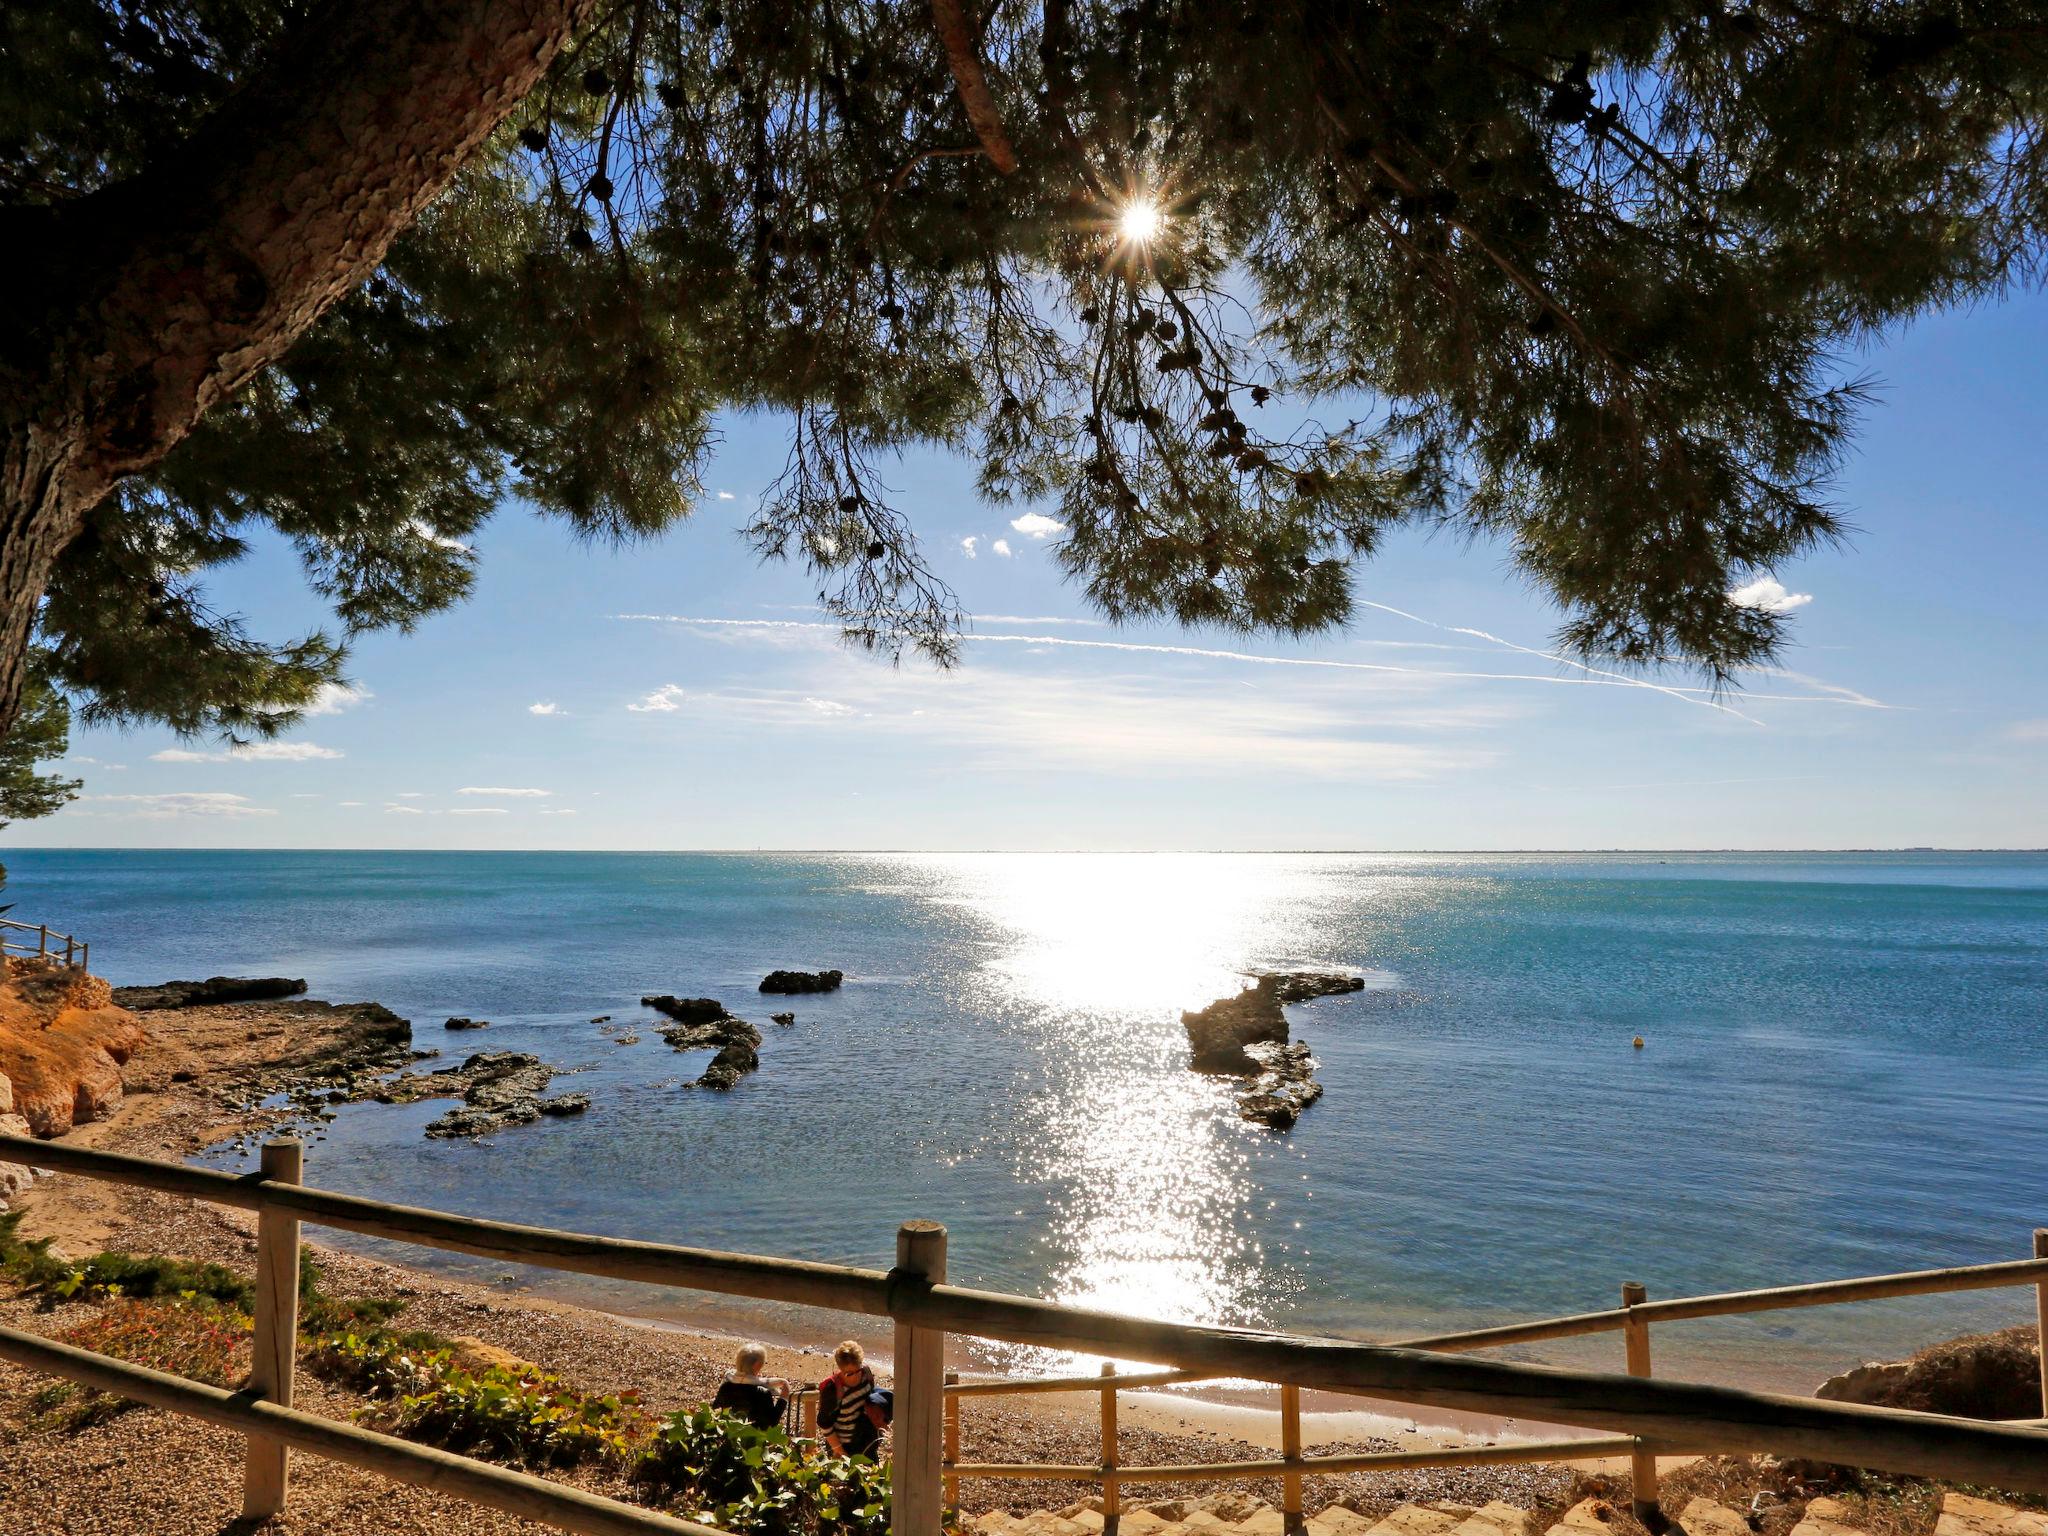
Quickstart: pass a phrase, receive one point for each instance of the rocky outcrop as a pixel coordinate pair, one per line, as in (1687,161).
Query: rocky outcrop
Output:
(687,1010)
(701,1023)
(1246,1035)
(793,982)
(733,1062)
(1306,986)
(497,1089)
(1978,1376)
(467,1024)
(215,989)
(784,1019)
(1219,1033)
(62,1045)
(14,1177)
(1285,1086)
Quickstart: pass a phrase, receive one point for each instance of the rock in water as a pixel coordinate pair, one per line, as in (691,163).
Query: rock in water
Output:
(732,1063)
(1286,1086)
(215,989)
(802,981)
(687,1010)
(1306,986)
(783,1018)
(1245,1035)
(467,1024)
(1220,1032)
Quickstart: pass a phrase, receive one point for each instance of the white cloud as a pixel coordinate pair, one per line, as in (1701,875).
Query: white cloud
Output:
(79,758)
(303,795)
(521,794)
(403,810)
(726,496)
(2027,730)
(333,698)
(159,807)
(546,707)
(1001,547)
(412,794)
(967,544)
(830,707)
(254,752)
(558,810)
(350,804)
(479,810)
(1036,525)
(1769,594)
(669,696)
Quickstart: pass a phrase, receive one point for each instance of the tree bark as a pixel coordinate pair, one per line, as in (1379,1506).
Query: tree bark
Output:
(144,304)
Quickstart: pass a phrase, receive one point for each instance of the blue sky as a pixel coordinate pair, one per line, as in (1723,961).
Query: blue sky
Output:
(1914,707)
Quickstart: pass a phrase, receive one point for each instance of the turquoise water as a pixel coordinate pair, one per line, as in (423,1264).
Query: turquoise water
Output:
(1846,1069)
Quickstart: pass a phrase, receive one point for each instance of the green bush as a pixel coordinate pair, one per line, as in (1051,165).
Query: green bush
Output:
(758,1482)
(111,1274)
(528,1416)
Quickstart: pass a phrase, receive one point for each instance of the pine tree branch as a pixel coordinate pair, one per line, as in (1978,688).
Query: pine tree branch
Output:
(957,37)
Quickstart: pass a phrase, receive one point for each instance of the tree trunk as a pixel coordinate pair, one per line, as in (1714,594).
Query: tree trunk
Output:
(144,304)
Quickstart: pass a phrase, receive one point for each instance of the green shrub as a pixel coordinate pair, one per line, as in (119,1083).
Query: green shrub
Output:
(528,1416)
(110,1274)
(758,1482)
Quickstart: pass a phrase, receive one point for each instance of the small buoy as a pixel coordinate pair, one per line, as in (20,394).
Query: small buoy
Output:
(1639,1042)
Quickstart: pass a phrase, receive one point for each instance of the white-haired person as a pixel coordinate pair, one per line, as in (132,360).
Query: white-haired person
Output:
(759,1400)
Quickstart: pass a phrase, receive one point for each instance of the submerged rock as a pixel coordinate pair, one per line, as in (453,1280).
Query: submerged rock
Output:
(783,1018)
(215,989)
(791,982)
(467,1024)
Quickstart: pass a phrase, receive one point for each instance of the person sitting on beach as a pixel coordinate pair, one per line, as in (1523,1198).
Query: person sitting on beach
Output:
(851,1409)
(759,1401)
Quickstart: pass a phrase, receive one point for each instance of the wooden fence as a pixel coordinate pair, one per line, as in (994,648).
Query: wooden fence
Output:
(1644,1416)
(74,952)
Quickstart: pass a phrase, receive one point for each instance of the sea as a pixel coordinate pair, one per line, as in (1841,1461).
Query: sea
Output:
(1842,1070)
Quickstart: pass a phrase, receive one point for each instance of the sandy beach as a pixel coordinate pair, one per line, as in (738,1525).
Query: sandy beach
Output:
(189,1088)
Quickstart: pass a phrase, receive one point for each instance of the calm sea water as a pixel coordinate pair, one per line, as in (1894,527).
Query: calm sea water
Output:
(1846,1068)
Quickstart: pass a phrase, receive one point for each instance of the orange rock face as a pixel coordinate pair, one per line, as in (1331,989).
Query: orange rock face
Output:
(62,1044)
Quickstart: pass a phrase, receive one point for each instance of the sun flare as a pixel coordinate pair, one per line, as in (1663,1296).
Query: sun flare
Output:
(1140,221)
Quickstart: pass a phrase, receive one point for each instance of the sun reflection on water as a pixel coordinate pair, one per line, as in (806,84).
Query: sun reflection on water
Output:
(1147,1170)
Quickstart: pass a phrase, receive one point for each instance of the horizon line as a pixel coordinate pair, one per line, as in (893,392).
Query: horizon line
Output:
(766,849)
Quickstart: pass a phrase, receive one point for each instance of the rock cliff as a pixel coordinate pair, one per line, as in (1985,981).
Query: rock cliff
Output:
(62,1043)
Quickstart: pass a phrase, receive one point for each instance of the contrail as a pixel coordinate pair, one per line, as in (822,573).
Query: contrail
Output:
(1595,680)
(1833,693)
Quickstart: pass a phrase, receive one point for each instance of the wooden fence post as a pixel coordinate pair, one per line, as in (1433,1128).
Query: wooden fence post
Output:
(265,1472)
(2041,1315)
(1290,1450)
(1112,1489)
(1643,1463)
(917,1490)
(43,939)
(952,1442)
(809,1420)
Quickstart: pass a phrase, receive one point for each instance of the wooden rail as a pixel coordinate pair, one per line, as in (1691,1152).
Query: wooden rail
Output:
(44,940)
(1643,1414)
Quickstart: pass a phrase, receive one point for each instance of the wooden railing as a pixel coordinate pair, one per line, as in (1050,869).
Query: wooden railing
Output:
(74,952)
(1643,1415)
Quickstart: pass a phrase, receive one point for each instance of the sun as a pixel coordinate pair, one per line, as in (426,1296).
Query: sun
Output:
(1140,221)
